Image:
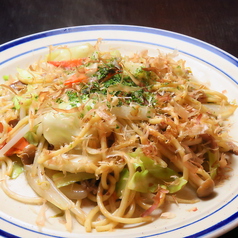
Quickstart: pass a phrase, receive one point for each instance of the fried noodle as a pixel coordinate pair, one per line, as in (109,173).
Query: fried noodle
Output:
(125,134)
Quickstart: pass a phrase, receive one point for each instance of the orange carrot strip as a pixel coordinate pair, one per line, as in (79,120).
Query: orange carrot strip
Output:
(1,128)
(75,78)
(18,147)
(67,63)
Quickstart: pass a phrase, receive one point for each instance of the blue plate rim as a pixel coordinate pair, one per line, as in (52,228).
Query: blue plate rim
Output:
(134,28)
(232,59)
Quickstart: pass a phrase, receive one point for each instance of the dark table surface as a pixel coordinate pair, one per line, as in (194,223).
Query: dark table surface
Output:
(212,21)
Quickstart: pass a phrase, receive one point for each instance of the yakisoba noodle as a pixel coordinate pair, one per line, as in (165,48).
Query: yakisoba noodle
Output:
(123,133)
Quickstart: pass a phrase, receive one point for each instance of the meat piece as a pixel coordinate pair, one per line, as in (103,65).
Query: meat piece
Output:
(28,154)
(13,122)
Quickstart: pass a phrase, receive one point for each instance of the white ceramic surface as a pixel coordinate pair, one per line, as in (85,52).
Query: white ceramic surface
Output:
(209,64)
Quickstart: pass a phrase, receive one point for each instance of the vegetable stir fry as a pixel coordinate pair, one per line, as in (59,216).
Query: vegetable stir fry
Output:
(124,133)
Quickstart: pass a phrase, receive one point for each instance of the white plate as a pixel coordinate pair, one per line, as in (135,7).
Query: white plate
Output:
(209,64)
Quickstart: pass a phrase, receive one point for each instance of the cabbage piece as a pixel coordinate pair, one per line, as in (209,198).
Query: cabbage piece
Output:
(136,69)
(25,76)
(143,182)
(156,170)
(151,175)
(16,101)
(26,99)
(32,137)
(29,77)
(73,163)
(120,185)
(213,164)
(133,112)
(17,169)
(80,51)
(112,56)
(60,128)
(176,185)
(60,179)
(25,102)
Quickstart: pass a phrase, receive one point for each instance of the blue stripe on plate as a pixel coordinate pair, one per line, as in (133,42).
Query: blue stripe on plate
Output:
(191,40)
(218,226)
(207,231)
(124,40)
(211,229)
(8,235)
(155,31)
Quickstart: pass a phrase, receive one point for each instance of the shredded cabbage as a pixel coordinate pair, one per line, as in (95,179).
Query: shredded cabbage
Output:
(56,128)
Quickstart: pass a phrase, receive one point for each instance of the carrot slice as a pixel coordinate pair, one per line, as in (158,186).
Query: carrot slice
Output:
(1,128)
(18,147)
(67,63)
(76,78)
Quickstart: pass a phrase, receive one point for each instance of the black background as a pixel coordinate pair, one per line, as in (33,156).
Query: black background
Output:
(213,21)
